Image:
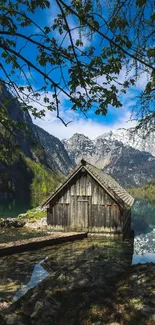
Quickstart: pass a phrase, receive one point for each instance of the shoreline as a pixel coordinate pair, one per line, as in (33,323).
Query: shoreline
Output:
(116,297)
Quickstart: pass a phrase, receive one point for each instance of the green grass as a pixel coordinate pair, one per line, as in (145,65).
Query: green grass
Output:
(33,215)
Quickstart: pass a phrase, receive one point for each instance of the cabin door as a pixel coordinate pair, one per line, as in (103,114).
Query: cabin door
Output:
(80,213)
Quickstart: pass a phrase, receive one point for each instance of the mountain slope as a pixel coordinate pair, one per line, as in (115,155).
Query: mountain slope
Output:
(26,140)
(31,163)
(129,166)
(138,140)
(118,153)
(57,157)
(35,143)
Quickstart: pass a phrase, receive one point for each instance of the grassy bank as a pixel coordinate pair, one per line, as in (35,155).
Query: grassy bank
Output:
(33,215)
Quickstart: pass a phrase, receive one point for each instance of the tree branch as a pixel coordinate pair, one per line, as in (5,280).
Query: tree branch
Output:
(106,37)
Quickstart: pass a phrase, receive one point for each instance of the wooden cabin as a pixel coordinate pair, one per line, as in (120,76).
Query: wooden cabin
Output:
(90,201)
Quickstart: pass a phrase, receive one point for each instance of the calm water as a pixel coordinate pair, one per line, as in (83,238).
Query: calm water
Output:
(20,272)
(23,271)
(143,222)
(11,207)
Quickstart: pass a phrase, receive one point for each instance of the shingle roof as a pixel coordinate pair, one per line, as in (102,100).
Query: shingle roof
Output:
(117,192)
(121,196)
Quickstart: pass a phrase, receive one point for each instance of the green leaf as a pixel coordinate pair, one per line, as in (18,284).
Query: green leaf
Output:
(140,3)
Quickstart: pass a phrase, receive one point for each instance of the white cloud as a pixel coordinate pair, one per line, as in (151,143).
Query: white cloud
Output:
(88,127)
(141,81)
(73,25)
(80,124)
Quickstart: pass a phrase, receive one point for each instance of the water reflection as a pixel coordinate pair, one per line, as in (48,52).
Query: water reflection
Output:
(12,207)
(23,271)
(143,216)
(90,255)
(38,274)
(143,222)
(142,259)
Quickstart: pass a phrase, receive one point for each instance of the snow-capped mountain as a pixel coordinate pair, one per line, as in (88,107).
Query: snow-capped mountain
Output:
(113,153)
(128,156)
(136,139)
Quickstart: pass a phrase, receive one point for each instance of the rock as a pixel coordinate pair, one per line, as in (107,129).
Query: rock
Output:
(83,282)
(46,308)
(22,215)
(109,153)
(11,319)
(3,305)
(38,306)
(42,223)
(11,222)
(147,310)
(114,323)
(2,321)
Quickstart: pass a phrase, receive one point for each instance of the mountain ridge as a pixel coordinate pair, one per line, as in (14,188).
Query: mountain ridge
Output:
(138,139)
(131,167)
(130,161)
(26,167)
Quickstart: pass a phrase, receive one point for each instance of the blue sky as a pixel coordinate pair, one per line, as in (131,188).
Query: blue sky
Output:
(93,125)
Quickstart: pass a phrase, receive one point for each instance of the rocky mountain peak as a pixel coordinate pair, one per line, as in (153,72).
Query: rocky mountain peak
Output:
(118,154)
(136,139)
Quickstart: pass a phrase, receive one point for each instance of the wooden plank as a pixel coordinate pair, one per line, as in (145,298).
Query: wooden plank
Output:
(72,212)
(65,197)
(84,185)
(73,189)
(37,243)
(69,215)
(86,203)
(88,185)
(68,195)
(107,217)
(65,215)
(61,198)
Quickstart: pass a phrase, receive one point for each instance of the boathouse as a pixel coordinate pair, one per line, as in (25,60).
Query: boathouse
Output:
(90,201)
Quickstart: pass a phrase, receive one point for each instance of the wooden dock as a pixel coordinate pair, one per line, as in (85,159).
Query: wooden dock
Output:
(39,242)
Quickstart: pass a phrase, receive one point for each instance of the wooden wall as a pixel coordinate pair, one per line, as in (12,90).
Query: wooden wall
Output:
(84,206)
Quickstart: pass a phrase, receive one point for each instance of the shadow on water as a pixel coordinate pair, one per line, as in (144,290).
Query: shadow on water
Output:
(85,287)
(90,267)
(21,272)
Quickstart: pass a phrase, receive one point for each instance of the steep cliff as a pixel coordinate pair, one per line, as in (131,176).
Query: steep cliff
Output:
(32,162)
(57,157)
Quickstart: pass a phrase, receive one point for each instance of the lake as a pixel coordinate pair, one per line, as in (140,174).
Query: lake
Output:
(143,222)
(12,207)
(20,272)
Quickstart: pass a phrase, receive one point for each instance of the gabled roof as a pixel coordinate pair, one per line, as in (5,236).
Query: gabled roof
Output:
(117,192)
